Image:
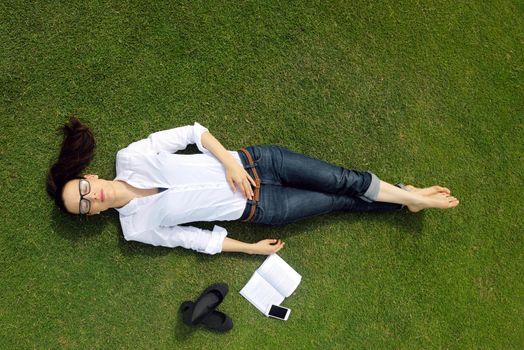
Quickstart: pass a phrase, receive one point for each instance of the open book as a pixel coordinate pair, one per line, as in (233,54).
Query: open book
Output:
(273,281)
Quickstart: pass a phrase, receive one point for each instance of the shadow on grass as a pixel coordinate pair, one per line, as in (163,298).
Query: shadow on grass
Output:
(76,227)
(182,331)
(408,223)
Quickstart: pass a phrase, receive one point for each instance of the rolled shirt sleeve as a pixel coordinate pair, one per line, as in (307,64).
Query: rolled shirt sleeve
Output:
(203,241)
(198,131)
(171,140)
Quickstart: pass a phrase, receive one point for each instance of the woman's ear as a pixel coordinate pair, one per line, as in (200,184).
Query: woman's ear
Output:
(90,176)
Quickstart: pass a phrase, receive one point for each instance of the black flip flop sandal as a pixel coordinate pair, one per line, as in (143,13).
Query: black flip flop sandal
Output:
(214,321)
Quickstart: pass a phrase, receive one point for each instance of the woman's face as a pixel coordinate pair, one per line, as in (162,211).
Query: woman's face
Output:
(89,196)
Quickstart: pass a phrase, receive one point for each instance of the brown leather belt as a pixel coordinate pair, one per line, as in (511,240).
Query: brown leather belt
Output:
(256,192)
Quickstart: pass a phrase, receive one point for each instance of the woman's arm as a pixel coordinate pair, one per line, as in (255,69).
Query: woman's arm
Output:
(235,173)
(264,247)
(215,147)
(203,241)
(170,140)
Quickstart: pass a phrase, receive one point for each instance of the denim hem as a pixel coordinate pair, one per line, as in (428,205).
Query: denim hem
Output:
(371,193)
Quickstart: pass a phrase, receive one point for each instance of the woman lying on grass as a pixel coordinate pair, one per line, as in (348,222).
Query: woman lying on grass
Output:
(157,190)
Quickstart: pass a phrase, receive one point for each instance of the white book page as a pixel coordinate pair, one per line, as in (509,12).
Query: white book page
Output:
(260,293)
(280,275)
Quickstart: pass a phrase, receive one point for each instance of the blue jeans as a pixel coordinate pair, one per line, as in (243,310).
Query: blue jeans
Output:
(295,187)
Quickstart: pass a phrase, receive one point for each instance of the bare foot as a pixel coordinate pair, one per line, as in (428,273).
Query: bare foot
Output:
(428,191)
(437,200)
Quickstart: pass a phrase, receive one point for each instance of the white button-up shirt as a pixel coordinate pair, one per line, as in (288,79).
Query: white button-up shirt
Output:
(197,190)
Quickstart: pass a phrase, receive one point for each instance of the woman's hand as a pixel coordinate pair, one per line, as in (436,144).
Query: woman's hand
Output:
(267,246)
(237,175)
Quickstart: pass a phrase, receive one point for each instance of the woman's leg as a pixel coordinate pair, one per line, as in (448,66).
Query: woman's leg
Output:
(281,205)
(417,199)
(281,166)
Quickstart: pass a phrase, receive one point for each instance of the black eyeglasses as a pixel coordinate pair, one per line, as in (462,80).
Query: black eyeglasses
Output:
(84,188)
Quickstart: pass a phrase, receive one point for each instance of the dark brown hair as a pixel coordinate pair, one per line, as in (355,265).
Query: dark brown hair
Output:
(76,152)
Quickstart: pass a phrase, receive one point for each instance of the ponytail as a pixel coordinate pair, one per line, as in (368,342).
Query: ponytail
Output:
(76,153)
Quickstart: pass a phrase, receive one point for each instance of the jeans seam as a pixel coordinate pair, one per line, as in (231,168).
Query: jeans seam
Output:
(281,164)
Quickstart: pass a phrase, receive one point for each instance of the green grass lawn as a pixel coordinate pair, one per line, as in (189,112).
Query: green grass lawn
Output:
(423,92)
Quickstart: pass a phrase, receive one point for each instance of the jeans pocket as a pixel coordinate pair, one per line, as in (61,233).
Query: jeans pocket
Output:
(255,153)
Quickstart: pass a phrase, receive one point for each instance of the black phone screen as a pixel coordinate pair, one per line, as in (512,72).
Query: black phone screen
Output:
(277,311)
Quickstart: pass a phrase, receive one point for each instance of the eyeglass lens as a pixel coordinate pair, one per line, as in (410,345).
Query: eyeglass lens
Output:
(85,204)
(85,188)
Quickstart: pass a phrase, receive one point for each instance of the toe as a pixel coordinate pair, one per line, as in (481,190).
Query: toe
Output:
(444,189)
(441,189)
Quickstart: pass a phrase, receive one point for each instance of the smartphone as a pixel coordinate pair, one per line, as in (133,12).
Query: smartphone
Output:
(280,312)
